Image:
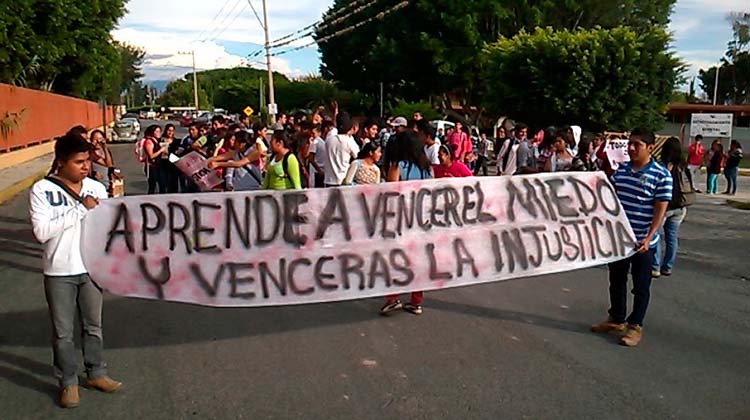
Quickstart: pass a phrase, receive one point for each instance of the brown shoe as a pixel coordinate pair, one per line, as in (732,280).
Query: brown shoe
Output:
(632,336)
(69,397)
(608,326)
(104,384)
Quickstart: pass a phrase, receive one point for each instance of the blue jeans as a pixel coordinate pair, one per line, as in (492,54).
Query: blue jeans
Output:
(664,258)
(712,186)
(66,297)
(731,175)
(639,265)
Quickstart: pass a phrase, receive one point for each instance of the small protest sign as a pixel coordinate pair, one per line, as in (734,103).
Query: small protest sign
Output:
(266,248)
(195,166)
(617,152)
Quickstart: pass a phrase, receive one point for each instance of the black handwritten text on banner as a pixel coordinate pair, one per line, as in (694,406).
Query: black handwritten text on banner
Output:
(293,247)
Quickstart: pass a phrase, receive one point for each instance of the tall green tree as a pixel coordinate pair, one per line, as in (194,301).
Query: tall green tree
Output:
(734,70)
(67,42)
(432,47)
(600,78)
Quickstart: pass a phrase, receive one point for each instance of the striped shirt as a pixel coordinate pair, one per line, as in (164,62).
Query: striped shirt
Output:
(639,191)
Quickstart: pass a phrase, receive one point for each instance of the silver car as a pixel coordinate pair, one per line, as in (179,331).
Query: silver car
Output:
(127,129)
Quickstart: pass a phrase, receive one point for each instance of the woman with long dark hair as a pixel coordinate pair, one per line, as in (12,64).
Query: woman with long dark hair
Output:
(167,170)
(153,151)
(407,162)
(365,169)
(733,162)
(682,193)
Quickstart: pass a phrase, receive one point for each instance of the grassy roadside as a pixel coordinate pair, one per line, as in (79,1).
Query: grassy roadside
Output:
(739,204)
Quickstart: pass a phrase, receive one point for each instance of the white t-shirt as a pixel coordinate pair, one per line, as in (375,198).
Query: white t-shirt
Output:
(56,222)
(432,152)
(341,150)
(319,148)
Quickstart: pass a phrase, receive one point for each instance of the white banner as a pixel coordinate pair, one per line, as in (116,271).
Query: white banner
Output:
(617,152)
(195,166)
(294,247)
(711,125)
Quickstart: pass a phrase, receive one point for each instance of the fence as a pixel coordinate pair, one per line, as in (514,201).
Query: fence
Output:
(29,117)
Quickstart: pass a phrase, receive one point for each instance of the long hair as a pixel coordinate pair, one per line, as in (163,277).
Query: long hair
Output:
(411,149)
(151,130)
(671,152)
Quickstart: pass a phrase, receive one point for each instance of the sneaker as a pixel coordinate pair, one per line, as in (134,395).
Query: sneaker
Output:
(414,309)
(632,335)
(390,307)
(69,397)
(666,272)
(655,274)
(608,326)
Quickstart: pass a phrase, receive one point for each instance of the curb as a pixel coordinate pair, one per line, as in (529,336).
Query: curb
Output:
(13,190)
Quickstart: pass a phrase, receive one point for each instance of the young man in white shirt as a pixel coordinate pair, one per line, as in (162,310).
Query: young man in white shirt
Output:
(58,205)
(341,149)
(318,158)
(431,145)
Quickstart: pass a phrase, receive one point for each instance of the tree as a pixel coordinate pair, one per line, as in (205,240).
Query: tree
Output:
(600,78)
(734,73)
(69,41)
(432,47)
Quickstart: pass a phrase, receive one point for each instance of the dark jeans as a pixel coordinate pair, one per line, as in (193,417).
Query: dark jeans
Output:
(481,163)
(168,174)
(155,179)
(731,175)
(639,265)
(66,296)
(320,181)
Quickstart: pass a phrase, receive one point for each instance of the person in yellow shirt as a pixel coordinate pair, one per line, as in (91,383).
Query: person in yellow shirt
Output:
(282,170)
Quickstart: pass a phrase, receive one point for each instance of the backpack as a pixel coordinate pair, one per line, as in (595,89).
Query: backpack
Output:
(140,154)
(683,190)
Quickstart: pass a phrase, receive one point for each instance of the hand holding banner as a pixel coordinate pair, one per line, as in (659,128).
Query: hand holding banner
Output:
(293,247)
(195,166)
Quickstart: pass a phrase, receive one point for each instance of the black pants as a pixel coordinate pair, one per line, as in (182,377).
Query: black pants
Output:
(481,162)
(156,179)
(639,266)
(320,181)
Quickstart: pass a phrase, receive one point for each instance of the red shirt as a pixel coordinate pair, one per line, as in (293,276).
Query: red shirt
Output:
(695,154)
(456,170)
(457,140)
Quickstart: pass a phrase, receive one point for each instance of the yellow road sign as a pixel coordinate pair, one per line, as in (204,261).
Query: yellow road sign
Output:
(248,111)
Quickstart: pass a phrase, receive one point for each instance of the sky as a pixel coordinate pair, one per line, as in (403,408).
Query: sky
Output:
(223,33)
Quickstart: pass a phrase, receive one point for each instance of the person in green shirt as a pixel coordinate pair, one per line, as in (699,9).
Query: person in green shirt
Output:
(282,171)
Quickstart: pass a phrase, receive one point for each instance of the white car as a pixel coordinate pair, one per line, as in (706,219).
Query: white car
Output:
(126,129)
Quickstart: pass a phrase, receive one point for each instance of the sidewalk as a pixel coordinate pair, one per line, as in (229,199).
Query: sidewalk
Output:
(743,189)
(16,179)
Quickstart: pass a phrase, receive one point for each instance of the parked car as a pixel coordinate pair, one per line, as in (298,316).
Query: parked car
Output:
(126,129)
(186,120)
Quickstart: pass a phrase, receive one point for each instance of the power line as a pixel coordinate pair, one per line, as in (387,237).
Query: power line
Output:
(220,25)
(212,20)
(230,23)
(346,30)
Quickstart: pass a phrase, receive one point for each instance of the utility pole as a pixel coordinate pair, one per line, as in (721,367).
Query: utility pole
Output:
(195,85)
(271,95)
(261,94)
(716,83)
(381,99)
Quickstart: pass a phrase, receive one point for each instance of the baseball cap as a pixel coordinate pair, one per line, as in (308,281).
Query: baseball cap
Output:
(399,122)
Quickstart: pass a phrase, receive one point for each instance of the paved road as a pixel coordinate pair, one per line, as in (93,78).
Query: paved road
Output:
(515,350)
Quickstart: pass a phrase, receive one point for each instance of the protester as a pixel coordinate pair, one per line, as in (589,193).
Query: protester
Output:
(365,170)
(545,148)
(732,166)
(483,155)
(301,141)
(696,154)
(342,149)
(57,207)
(153,152)
(102,162)
(525,159)
(683,194)
(431,145)
(644,188)
(714,167)
(167,171)
(318,158)
(507,163)
(409,163)
(180,149)
(242,172)
(283,169)
(449,168)
(457,141)
(368,132)
(584,161)
(417,116)
(560,160)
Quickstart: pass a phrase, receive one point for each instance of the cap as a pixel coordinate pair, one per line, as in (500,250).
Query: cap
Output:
(399,122)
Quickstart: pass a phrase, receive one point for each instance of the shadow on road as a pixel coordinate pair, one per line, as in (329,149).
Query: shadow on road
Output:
(24,372)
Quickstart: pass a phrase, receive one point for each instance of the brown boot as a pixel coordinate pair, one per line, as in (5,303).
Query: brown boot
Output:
(632,335)
(608,326)
(104,384)
(69,397)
